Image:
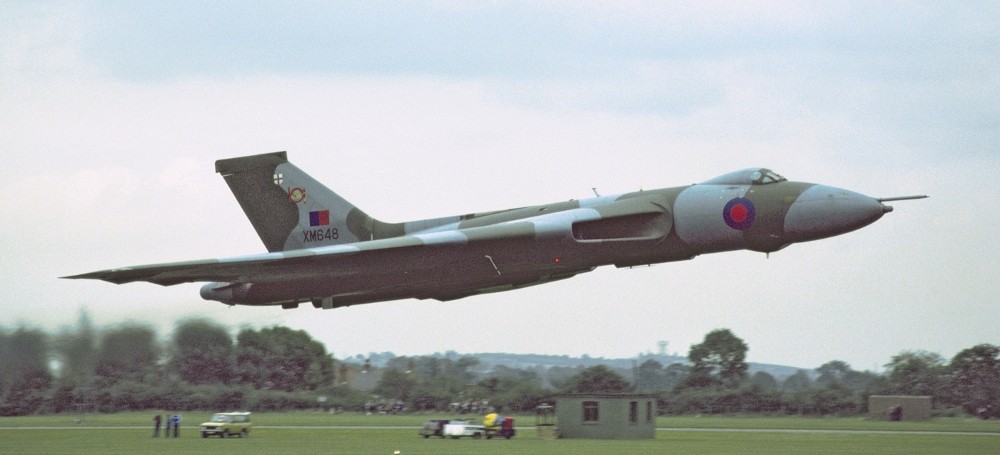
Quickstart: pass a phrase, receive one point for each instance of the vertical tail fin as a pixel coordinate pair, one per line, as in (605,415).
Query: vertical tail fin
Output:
(290,210)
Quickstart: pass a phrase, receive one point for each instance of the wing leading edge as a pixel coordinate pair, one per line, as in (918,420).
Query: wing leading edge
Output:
(445,265)
(301,264)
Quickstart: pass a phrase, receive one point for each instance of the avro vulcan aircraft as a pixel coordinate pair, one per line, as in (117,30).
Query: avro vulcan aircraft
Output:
(324,250)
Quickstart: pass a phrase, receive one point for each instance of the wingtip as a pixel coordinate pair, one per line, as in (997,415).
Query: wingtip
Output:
(103,275)
(77,277)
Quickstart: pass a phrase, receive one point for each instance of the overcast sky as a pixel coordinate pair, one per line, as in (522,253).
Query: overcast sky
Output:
(113,113)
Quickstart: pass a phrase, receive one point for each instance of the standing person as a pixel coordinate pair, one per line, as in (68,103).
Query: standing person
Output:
(896,414)
(170,422)
(156,425)
(177,424)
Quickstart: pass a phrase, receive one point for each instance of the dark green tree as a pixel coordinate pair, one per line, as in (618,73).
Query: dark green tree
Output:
(510,389)
(918,373)
(280,358)
(76,351)
(557,375)
(439,381)
(764,381)
(650,377)
(395,384)
(129,352)
(838,372)
(596,379)
(463,369)
(975,379)
(674,374)
(202,352)
(428,367)
(721,356)
(800,380)
(24,373)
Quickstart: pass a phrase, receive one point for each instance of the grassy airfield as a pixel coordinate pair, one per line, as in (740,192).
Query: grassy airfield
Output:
(352,433)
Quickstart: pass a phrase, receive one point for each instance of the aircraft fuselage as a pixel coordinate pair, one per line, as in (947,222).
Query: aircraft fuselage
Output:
(554,241)
(324,250)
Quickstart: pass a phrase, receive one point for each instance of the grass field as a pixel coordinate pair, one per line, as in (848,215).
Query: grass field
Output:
(352,433)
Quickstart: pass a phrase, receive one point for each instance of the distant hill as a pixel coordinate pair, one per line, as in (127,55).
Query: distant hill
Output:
(489,360)
(535,361)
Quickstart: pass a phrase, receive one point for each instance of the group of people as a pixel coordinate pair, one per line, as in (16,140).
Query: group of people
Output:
(173,421)
(384,407)
(474,406)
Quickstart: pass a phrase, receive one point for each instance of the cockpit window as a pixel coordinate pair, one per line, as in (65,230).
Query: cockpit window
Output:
(768,176)
(753,176)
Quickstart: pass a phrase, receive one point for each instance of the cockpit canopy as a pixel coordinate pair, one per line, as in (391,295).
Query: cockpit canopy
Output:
(751,176)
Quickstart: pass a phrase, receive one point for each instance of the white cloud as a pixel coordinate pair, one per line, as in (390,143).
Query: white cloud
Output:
(42,40)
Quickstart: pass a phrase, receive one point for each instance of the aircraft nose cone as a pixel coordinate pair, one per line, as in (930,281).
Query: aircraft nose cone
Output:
(824,211)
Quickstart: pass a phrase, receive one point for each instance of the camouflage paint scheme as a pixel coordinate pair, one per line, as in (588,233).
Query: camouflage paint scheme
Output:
(324,250)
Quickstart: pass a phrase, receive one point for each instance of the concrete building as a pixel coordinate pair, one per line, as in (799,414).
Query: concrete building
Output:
(606,416)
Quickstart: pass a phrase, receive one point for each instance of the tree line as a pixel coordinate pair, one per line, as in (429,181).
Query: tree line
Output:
(201,366)
(128,367)
(716,381)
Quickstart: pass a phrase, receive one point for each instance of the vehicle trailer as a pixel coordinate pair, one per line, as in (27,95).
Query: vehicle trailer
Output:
(459,428)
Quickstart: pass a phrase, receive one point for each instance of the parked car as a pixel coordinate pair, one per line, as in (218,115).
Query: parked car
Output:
(226,424)
(433,428)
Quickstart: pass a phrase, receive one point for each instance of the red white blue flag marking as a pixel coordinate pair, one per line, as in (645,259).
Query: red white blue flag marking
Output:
(319,218)
(739,213)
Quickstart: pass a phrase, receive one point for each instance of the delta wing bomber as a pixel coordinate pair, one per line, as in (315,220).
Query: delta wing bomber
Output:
(324,250)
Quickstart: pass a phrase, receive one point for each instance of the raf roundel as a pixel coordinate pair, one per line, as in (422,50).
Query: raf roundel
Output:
(739,213)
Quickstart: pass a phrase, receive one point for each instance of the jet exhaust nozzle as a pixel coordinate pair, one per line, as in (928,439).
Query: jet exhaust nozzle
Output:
(228,293)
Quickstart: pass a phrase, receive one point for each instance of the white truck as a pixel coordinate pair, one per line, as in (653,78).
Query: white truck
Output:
(458,428)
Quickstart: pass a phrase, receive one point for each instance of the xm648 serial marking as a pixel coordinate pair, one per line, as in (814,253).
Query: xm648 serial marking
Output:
(319,235)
